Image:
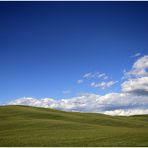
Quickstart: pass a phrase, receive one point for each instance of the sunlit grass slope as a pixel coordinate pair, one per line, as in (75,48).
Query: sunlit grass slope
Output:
(31,126)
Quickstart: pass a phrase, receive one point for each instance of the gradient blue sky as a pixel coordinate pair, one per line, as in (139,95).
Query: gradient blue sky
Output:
(45,47)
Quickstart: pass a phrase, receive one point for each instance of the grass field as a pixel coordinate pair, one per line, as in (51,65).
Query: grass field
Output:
(31,126)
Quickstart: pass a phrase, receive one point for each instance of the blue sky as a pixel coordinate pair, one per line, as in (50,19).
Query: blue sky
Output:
(46,47)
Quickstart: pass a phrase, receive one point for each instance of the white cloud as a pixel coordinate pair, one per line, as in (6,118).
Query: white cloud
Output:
(103,85)
(111,104)
(95,75)
(101,75)
(138,86)
(136,55)
(137,81)
(139,69)
(46,102)
(132,100)
(88,75)
(80,81)
(128,112)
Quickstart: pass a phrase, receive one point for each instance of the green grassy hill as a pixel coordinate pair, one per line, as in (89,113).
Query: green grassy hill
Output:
(31,126)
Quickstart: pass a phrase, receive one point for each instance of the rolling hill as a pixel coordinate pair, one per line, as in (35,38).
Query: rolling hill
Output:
(32,126)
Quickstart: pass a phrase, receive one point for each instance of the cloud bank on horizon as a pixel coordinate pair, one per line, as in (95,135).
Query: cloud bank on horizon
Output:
(131,100)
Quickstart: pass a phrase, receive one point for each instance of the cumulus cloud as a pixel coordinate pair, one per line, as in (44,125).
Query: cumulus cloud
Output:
(137,78)
(103,85)
(128,112)
(137,86)
(139,69)
(132,100)
(46,102)
(112,104)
